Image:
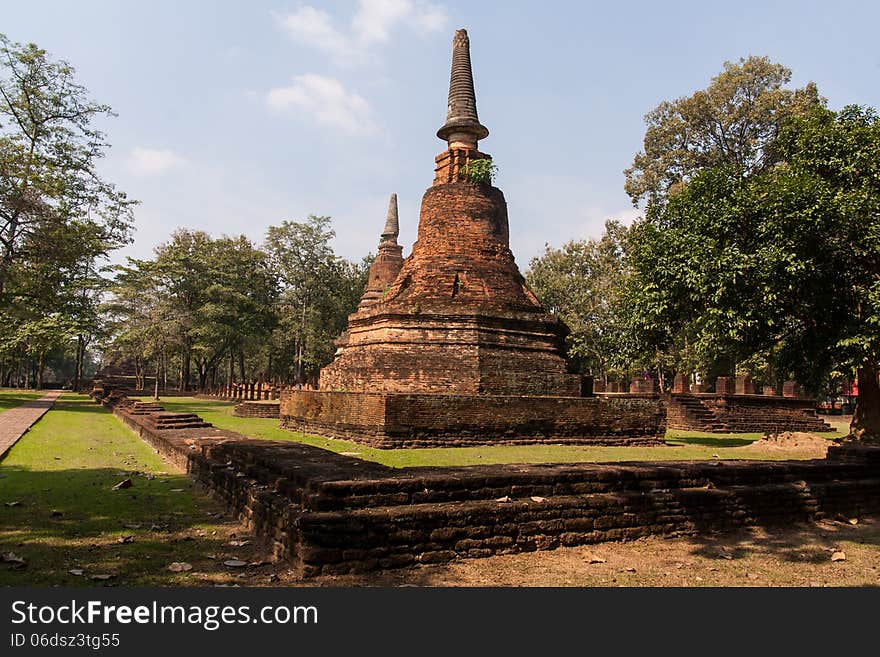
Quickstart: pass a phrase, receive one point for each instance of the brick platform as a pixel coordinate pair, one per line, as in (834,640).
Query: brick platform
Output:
(424,420)
(329,513)
(729,413)
(266,408)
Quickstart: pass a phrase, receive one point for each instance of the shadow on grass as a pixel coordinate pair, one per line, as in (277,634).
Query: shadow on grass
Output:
(63,520)
(709,441)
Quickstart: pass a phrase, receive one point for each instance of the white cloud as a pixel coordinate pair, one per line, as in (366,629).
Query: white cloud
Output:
(625,216)
(150,161)
(372,24)
(374,19)
(325,101)
(314,27)
(431,18)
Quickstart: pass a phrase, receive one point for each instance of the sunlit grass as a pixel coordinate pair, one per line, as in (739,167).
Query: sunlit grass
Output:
(11,397)
(59,512)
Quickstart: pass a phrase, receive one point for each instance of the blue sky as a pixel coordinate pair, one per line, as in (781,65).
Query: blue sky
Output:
(233,116)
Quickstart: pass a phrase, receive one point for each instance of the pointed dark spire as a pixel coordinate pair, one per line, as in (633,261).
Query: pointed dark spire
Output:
(392,227)
(462,125)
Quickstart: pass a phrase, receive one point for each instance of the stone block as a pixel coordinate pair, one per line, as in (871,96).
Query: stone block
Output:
(725,385)
(744,385)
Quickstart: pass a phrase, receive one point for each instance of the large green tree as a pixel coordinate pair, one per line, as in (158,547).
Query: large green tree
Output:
(581,282)
(59,218)
(730,123)
(318,291)
(199,300)
(784,262)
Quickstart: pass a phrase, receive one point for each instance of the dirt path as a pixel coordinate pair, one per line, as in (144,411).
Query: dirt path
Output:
(15,422)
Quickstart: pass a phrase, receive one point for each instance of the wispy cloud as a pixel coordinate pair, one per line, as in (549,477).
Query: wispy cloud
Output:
(371,25)
(314,28)
(150,161)
(325,101)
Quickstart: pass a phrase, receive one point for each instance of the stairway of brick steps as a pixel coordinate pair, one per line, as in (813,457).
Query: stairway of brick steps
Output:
(702,416)
(167,420)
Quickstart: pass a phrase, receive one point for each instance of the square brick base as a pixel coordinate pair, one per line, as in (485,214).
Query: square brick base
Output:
(394,420)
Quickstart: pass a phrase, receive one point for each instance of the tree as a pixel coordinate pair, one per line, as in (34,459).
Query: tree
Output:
(236,313)
(48,158)
(58,218)
(581,282)
(302,260)
(730,123)
(783,262)
(211,297)
(318,291)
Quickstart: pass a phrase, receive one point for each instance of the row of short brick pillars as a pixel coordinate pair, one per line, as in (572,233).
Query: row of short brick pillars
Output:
(724,385)
(636,386)
(255,391)
(733,385)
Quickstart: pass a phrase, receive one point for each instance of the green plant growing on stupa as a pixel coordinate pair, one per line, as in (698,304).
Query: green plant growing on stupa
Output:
(481,172)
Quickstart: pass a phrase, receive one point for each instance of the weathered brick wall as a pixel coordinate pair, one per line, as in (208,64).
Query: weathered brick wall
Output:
(743,413)
(419,420)
(382,273)
(329,513)
(257,409)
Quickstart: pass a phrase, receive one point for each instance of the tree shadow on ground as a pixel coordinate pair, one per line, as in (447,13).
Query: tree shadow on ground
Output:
(60,521)
(806,542)
(709,441)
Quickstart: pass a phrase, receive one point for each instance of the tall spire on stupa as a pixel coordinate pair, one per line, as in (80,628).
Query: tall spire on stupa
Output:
(392,227)
(462,127)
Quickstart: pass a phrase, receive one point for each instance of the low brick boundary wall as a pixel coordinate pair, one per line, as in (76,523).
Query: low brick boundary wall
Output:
(395,420)
(268,409)
(743,413)
(329,513)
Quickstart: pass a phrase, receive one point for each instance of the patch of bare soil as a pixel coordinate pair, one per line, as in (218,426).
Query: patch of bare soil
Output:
(842,552)
(810,444)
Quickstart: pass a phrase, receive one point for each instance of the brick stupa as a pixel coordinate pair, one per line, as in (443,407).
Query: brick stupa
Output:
(451,346)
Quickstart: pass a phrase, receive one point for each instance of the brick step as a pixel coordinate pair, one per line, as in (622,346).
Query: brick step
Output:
(344,540)
(170,420)
(144,408)
(391,492)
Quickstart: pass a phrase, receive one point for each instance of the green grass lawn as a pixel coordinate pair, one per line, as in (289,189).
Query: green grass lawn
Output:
(58,510)
(12,397)
(680,445)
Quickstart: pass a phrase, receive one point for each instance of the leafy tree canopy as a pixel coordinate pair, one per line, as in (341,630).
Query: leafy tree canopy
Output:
(731,123)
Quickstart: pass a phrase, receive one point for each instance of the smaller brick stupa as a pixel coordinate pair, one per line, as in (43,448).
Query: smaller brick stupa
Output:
(450,346)
(388,260)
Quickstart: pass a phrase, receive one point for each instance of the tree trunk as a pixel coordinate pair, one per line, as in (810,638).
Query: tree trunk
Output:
(241,366)
(202,370)
(40,367)
(865,423)
(156,383)
(77,372)
(299,349)
(185,368)
(138,373)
